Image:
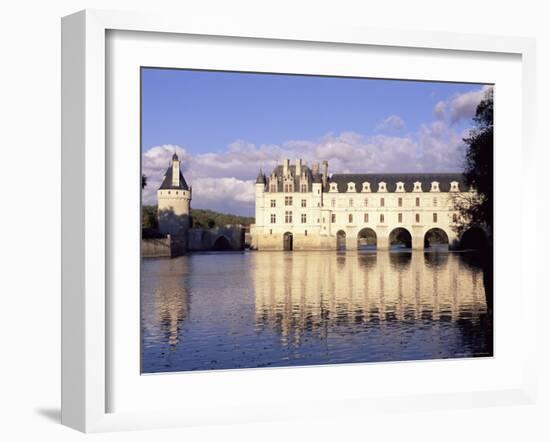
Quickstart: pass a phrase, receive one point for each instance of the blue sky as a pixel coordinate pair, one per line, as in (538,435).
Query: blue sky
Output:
(226,125)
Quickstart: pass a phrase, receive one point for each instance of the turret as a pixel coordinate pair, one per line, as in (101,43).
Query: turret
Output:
(174,201)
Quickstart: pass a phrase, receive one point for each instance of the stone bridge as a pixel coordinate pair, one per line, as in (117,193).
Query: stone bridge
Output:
(227,238)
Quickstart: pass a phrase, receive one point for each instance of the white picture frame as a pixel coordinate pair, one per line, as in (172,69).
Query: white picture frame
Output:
(86,315)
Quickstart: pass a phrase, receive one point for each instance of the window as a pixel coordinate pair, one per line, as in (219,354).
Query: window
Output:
(333,218)
(366,187)
(303,217)
(351,187)
(455,218)
(273,188)
(288,201)
(273,203)
(350,218)
(303,203)
(417,202)
(381,202)
(435,202)
(273,218)
(303,188)
(177,193)
(169,192)
(366,217)
(435,217)
(306,232)
(399,217)
(366,202)
(288,187)
(351,202)
(288,216)
(381,217)
(333,187)
(400,202)
(417,217)
(333,202)
(271,231)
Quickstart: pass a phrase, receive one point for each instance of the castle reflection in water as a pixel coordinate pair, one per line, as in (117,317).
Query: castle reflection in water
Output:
(231,310)
(302,292)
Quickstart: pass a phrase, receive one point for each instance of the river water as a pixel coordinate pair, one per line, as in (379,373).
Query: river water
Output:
(267,309)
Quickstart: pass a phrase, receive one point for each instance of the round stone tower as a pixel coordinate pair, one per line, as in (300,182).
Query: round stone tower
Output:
(174,201)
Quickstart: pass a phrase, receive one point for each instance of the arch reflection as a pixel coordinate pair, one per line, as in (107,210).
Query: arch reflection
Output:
(306,293)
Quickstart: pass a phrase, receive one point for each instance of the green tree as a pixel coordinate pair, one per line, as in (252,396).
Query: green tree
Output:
(149,218)
(143,180)
(476,209)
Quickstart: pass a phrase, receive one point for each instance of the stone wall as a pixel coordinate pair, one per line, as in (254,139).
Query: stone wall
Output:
(155,248)
(169,246)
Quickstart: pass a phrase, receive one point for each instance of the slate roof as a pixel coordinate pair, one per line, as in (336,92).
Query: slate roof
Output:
(391,180)
(167,182)
(260,179)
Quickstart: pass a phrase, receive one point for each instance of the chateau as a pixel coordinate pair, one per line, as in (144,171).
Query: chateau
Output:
(303,208)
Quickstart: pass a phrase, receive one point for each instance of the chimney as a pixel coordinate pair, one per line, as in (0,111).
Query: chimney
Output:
(175,171)
(298,167)
(315,168)
(285,167)
(325,172)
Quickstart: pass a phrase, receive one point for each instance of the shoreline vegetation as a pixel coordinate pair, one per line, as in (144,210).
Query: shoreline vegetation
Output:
(200,218)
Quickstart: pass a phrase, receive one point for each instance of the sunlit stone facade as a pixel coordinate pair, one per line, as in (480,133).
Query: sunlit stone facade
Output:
(303,208)
(174,201)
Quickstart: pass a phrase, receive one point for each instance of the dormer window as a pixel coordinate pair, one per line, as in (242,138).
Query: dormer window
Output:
(435,186)
(417,186)
(400,186)
(351,187)
(333,187)
(382,186)
(366,187)
(454,186)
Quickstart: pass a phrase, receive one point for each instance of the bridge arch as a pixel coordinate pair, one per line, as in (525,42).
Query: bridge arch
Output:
(436,238)
(288,241)
(366,239)
(474,238)
(340,240)
(400,238)
(222,244)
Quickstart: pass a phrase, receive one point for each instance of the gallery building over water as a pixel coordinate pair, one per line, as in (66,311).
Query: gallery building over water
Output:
(303,208)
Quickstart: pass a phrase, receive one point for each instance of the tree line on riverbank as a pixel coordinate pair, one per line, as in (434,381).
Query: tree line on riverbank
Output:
(200,218)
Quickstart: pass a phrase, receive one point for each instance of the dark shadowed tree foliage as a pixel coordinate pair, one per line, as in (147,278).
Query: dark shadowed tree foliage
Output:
(143,180)
(201,218)
(477,210)
(149,218)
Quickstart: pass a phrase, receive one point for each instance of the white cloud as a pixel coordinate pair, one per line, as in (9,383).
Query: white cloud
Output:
(224,180)
(229,195)
(460,106)
(391,123)
(154,163)
(440,109)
